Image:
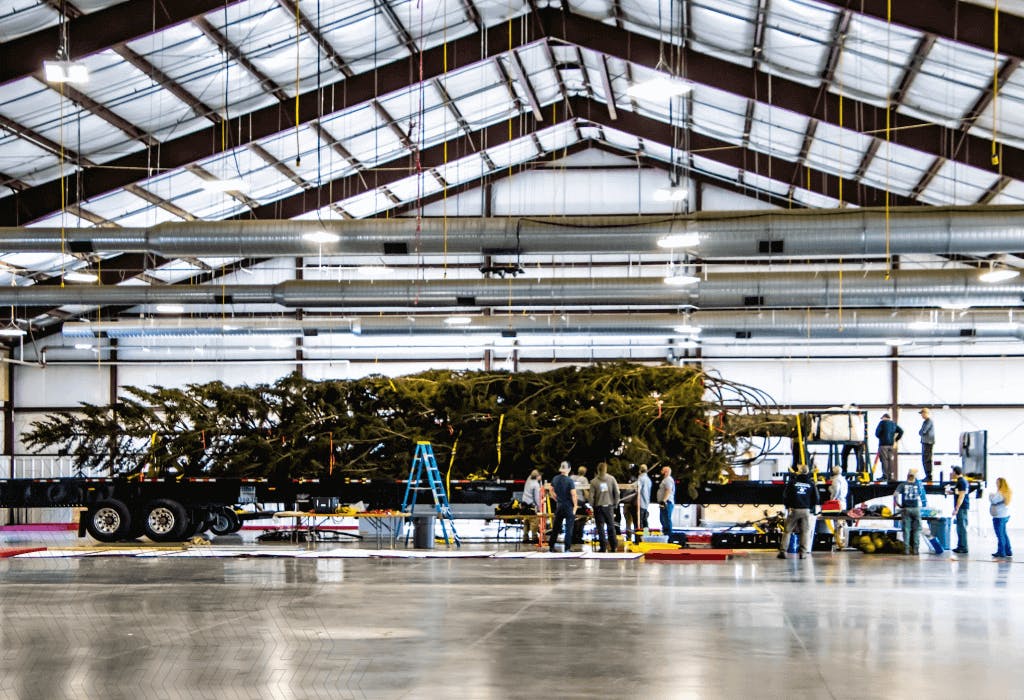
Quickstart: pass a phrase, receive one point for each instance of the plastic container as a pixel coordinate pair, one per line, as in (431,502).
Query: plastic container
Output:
(940,531)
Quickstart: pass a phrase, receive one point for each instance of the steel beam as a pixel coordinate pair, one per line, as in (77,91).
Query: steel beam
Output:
(98,31)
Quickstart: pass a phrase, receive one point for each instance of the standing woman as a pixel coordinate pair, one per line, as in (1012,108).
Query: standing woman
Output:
(1000,515)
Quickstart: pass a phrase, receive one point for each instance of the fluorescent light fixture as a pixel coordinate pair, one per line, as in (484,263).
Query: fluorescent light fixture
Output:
(659,88)
(688,330)
(458,321)
(897,342)
(11,332)
(227,328)
(83,346)
(921,325)
(998,274)
(170,309)
(65,72)
(955,305)
(681,280)
(80,276)
(669,194)
(680,240)
(321,237)
(228,185)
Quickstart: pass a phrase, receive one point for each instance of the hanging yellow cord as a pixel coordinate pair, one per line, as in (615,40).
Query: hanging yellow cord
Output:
(451,461)
(501,423)
(995,86)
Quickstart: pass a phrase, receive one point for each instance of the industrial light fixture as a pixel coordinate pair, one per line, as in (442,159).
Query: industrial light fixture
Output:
(80,276)
(458,321)
(660,87)
(923,325)
(321,237)
(61,69)
(170,309)
(678,276)
(679,240)
(11,332)
(65,71)
(955,305)
(997,273)
(688,330)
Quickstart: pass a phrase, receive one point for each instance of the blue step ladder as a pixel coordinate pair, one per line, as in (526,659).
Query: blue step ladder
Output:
(424,460)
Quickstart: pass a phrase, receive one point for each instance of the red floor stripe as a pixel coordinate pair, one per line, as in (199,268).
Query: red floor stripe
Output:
(6,552)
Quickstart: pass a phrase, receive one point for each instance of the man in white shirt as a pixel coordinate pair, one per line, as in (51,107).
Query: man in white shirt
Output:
(667,499)
(643,490)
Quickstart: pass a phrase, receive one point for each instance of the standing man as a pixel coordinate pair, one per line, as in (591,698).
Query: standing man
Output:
(927,433)
(888,434)
(643,490)
(801,501)
(960,507)
(564,490)
(531,502)
(908,498)
(667,500)
(604,498)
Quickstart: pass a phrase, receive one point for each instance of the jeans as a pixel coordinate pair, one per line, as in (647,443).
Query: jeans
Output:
(564,516)
(961,529)
(911,529)
(802,519)
(1003,548)
(666,518)
(604,517)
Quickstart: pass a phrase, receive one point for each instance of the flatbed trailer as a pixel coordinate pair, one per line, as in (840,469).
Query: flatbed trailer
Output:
(174,508)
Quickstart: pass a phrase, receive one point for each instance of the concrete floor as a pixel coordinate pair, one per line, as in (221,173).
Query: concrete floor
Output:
(835,626)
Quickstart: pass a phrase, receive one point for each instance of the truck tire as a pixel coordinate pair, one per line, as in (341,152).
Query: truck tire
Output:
(109,521)
(165,521)
(226,522)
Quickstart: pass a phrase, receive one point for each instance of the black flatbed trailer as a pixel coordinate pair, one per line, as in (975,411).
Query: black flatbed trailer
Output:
(174,508)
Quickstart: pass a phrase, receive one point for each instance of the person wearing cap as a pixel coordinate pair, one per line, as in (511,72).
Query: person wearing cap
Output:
(927,435)
(531,504)
(910,497)
(888,434)
(564,490)
(961,506)
(667,500)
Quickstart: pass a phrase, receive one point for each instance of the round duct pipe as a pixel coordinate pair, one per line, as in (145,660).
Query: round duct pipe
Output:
(865,232)
(919,288)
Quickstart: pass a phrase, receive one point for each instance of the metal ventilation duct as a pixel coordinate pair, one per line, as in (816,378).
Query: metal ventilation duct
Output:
(716,324)
(800,233)
(734,290)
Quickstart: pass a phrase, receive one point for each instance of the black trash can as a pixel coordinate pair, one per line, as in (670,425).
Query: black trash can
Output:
(423,532)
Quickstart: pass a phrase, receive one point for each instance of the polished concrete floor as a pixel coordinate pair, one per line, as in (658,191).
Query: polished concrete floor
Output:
(834,626)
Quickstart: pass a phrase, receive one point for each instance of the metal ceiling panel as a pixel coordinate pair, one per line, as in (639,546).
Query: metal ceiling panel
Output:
(836,150)
(797,37)
(21,17)
(721,26)
(540,73)
(463,170)
(364,38)
(42,262)
(412,188)
(365,135)
(951,80)
(557,136)
(366,203)
(767,184)
(489,105)
(1008,109)
(629,142)
(116,205)
(132,95)
(512,153)
(874,58)
(150,216)
(813,199)
(66,219)
(420,113)
(432,21)
(317,161)
(715,168)
(26,161)
(897,168)
(263,182)
(174,271)
(1013,193)
(956,183)
(777,131)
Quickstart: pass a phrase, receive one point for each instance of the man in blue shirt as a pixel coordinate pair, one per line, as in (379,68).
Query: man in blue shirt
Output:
(564,490)
(960,508)
(888,434)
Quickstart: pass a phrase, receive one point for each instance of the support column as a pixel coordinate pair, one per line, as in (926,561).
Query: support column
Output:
(8,447)
(894,390)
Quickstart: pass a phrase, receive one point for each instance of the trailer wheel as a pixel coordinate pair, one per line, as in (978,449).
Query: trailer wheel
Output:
(109,521)
(225,522)
(166,521)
